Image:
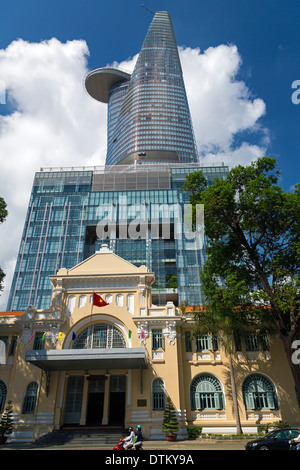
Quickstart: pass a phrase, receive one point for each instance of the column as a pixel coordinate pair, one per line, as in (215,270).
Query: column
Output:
(82,421)
(106,400)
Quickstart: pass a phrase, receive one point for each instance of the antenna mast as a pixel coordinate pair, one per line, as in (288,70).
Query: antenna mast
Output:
(142,5)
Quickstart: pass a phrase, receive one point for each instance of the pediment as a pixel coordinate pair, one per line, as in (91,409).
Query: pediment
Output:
(104,262)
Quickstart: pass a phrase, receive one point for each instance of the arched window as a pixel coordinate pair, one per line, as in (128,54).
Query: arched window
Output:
(29,401)
(119,300)
(82,301)
(259,393)
(100,336)
(206,393)
(158,394)
(130,303)
(70,305)
(3,395)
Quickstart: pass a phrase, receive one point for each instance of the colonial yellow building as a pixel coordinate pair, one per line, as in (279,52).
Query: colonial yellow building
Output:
(79,364)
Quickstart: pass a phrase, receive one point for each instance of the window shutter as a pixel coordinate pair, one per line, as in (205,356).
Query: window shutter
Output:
(249,401)
(271,401)
(218,401)
(197,401)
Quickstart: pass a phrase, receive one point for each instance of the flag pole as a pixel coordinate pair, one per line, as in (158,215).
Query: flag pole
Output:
(90,335)
(92,304)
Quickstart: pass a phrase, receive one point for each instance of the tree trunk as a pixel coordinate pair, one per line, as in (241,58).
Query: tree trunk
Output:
(233,388)
(234,397)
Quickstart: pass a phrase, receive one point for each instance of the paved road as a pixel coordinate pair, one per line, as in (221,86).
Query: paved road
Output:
(196,445)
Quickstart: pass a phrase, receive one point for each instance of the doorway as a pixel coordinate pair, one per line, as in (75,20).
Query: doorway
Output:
(74,400)
(95,402)
(117,396)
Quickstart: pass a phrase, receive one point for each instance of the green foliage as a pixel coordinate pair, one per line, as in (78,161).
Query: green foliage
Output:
(267,427)
(3,210)
(172,282)
(170,422)
(253,254)
(194,432)
(6,422)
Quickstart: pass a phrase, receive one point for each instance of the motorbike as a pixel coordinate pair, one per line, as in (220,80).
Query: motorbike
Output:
(293,444)
(120,445)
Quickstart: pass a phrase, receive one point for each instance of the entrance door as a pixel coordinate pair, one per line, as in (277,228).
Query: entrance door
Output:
(74,399)
(117,400)
(95,403)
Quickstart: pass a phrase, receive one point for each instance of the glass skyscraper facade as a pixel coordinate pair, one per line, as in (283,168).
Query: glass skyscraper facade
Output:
(148,111)
(134,203)
(62,228)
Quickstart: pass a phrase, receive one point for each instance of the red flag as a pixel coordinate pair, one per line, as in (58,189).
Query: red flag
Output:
(98,301)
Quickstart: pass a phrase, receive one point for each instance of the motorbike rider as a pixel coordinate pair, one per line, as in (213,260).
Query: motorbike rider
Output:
(296,440)
(128,441)
(138,438)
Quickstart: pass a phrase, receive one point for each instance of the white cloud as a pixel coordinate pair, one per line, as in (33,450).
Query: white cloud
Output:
(56,123)
(221,105)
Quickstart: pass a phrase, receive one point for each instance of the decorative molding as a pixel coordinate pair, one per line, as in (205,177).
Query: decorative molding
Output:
(170,331)
(143,327)
(26,333)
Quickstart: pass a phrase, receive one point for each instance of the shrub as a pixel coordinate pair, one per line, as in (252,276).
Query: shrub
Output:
(194,432)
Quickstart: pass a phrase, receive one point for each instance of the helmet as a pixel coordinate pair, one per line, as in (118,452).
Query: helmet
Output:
(139,426)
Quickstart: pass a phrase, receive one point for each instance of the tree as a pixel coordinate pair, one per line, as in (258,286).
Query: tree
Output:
(253,232)
(170,422)
(172,282)
(221,314)
(6,422)
(3,215)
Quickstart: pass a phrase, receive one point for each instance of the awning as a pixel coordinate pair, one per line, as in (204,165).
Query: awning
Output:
(88,359)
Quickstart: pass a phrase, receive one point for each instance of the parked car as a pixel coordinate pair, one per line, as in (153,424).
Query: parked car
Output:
(274,440)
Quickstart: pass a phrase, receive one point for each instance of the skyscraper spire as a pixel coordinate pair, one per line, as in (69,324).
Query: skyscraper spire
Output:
(148,112)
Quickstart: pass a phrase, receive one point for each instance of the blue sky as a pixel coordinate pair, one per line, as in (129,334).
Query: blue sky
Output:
(266,33)
(239,59)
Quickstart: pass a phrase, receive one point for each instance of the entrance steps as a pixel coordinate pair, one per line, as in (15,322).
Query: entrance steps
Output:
(83,437)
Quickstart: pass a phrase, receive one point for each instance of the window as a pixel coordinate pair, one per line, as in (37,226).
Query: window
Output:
(207,342)
(30,398)
(98,336)
(188,342)
(3,395)
(157,339)
(158,394)
(206,393)
(130,303)
(71,304)
(38,341)
(255,342)
(13,344)
(81,301)
(259,393)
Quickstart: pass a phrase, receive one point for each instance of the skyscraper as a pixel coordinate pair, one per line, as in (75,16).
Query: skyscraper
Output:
(148,113)
(150,150)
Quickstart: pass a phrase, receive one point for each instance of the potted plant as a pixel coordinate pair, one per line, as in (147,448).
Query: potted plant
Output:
(6,423)
(170,423)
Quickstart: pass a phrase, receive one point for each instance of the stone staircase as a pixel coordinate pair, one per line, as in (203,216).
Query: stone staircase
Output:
(87,437)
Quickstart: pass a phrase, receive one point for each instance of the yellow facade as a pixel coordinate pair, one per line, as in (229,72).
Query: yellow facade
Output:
(126,357)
